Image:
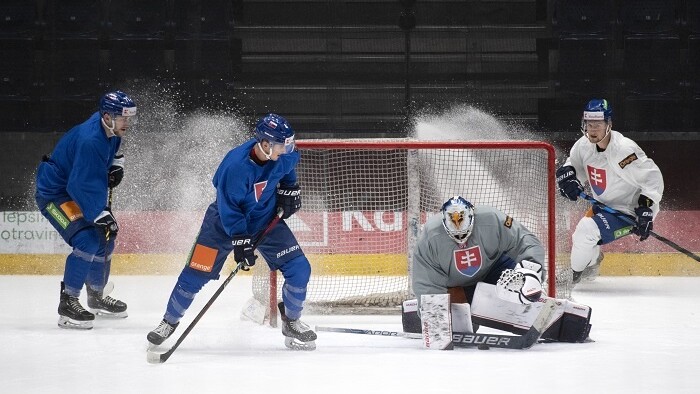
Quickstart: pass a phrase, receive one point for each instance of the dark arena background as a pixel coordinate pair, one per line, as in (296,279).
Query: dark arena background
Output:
(201,72)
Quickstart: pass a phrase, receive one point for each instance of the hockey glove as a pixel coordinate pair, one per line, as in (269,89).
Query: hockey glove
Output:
(289,199)
(116,171)
(645,217)
(569,186)
(106,221)
(243,252)
(522,285)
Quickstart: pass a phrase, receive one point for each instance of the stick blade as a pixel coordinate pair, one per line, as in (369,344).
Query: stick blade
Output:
(155,358)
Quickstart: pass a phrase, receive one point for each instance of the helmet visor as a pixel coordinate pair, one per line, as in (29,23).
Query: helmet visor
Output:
(130,120)
(285,147)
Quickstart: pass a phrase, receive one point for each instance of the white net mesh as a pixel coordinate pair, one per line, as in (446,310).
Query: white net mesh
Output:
(363,204)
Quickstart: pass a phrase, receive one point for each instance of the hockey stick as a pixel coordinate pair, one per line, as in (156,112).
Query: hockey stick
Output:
(370,332)
(159,358)
(468,339)
(525,341)
(629,220)
(109,206)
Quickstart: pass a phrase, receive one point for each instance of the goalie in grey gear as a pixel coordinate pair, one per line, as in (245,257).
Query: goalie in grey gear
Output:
(465,245)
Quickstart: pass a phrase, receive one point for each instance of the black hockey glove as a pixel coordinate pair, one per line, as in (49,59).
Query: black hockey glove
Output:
(289,199)
(243,252)
(106,221)
(116,171)
(644,217)
(569,186)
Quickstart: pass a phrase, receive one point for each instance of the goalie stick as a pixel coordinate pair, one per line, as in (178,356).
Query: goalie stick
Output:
(468,339)
(632,222)
(158,358)
(525,341)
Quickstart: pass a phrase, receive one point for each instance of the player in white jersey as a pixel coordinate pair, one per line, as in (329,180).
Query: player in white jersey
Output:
(620,175)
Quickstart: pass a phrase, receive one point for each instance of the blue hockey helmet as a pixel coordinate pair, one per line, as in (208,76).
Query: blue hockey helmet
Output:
(117,103)
(458,218)
(275,129)
(598,109)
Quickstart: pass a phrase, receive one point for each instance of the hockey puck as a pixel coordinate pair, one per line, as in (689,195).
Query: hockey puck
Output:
(483,347)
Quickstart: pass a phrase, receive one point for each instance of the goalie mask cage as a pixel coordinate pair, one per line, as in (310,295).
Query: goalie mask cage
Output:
(364,202)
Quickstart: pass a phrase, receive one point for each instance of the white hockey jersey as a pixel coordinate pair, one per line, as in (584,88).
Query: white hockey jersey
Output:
(619,174)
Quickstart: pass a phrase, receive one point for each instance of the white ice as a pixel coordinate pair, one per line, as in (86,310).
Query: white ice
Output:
(646,332)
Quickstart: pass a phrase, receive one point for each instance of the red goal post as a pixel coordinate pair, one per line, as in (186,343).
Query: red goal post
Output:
(364,201)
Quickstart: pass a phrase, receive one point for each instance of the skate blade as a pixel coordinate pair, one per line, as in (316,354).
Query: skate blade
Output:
(109,315)
(294,344)
(68,323)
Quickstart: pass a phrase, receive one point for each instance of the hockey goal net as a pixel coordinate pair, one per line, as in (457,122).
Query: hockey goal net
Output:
(365,201)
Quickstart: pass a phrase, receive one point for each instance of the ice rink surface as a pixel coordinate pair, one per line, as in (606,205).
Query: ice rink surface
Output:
(646,332)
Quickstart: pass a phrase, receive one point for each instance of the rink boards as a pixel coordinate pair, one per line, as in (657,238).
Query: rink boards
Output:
(157,243)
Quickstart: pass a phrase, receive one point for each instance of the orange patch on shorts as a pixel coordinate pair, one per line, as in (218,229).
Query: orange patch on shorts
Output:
(203,258)
(72,210)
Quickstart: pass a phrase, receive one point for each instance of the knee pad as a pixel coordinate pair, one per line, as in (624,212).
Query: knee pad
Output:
(585,248)
(192,281)
(87,242)
(586,233)
(297,271)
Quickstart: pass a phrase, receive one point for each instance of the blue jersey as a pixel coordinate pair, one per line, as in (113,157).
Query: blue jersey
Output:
(78,167)
(246,192)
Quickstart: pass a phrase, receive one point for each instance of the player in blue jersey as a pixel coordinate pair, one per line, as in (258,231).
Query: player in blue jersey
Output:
(72,186)
(252,181)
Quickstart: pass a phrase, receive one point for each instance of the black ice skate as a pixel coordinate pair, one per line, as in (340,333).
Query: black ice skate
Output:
(105,305)
(298,335)
(161,333)
(72,314)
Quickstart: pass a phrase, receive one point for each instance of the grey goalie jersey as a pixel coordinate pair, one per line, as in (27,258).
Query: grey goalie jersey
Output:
(439,262)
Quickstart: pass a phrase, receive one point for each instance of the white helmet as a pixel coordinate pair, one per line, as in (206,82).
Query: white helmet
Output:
(458,218)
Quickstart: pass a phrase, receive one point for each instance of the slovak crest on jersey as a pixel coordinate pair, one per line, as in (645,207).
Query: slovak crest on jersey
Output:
(468,261)
(598,179)
(259,187)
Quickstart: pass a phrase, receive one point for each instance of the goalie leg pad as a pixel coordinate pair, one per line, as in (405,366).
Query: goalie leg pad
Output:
(436,321)
(570,322)
(409,316)
(572,326)
(461,317)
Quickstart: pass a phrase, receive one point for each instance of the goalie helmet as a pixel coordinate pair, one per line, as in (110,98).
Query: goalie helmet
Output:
(458,218)
(275,129)
(596,109)
(117,103)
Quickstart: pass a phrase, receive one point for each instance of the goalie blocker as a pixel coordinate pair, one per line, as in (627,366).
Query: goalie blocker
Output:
(570,321)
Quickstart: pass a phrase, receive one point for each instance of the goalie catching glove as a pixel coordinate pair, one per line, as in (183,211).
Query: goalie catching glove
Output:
(522,285)
(289,199)
(243,252)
